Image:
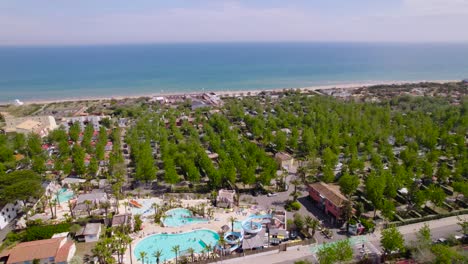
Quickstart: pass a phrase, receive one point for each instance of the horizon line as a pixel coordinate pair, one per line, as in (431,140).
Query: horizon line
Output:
(232,42)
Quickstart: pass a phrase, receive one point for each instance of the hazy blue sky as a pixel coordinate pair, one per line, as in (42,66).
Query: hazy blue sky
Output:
(28,22)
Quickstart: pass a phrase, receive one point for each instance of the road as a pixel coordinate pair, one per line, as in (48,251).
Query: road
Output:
(439,228)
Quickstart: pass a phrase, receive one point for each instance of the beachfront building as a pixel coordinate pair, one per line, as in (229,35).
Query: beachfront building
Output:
(9,212)
(89,233)
(212,99)
(83,121)
(328,198)
(226,198)
(40,125)
(55,250)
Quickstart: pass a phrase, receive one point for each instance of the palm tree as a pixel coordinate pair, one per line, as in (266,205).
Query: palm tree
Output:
(70,206)
(214,195)
(191,252)
(232,219)
(105,205)
(155,207)
(222,242)
(308,222)
(88,204)
(314,225)
(143,256)
(295,182)
(157,255)
(54,203)
(203,252)
(347,213)
(176,249)
(208,250)
(210,212)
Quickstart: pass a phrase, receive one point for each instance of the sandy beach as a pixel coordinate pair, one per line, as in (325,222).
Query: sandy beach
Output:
(227,92)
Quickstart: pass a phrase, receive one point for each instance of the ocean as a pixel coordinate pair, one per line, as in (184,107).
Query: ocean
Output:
(45,73)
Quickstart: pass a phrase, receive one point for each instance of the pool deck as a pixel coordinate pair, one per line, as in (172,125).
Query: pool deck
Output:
(150,228)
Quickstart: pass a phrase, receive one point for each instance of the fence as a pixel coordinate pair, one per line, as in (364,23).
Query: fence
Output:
(426,218)
(258,251)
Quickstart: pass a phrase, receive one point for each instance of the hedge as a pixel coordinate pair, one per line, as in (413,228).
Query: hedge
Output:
(426,218)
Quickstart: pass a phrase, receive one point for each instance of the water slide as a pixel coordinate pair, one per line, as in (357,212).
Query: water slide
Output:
(234,239)
(275,218)
(249,226)
(135,203)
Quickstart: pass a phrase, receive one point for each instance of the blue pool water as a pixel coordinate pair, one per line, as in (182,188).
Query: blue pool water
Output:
(146,208)
(64,195)
(180,217)
(197,240)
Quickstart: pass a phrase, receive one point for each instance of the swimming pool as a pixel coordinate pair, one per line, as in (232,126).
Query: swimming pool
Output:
(180,217)
(64,195)
(197,240)
(146,208)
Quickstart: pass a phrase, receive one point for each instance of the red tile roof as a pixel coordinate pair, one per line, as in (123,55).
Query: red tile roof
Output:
(334,196)
(41,249)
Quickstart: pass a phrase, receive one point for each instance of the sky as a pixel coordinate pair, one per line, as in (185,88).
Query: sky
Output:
(89,22)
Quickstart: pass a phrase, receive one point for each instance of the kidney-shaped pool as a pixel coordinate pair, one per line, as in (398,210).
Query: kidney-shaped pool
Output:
(197,239)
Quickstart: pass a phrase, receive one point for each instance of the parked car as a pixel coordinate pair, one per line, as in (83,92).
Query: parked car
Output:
(440,241)
(293,234)
(272,194)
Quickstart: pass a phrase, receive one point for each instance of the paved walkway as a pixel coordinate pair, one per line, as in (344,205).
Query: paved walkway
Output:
(307,252)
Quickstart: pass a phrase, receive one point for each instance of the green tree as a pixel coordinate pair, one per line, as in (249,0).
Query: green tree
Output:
(138,223)
(145,170)
(343,250)
(374,189)
(78,155)
(38,164)
(93,166)
(20,185)
(142,256)
(337,252)
(436,195)
(445,254)
(74,131)
(280,140)
(34,145)
(392,240)
(348,184)
(103,251)
(388,209)
(157,254)
(176,250)
(424,236)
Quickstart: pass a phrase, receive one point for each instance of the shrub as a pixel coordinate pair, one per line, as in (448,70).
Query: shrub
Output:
(292,206)
(44,232)
(368,224)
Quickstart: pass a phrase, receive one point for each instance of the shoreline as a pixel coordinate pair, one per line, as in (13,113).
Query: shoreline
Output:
(225,92)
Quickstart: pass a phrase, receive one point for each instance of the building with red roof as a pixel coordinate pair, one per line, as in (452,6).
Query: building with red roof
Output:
(55,250)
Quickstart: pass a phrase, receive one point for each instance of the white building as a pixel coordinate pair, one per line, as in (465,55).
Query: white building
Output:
(9,212)
(83,121)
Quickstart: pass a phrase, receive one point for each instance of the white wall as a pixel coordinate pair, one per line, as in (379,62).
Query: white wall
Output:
(9,212)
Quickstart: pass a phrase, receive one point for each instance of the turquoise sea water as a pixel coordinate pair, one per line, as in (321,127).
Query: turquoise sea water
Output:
(197,240)
(35,73)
